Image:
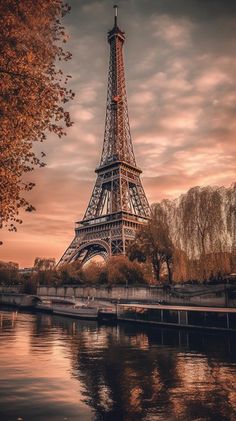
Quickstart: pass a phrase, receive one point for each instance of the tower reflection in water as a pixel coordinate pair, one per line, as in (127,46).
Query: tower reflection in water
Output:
(130,373)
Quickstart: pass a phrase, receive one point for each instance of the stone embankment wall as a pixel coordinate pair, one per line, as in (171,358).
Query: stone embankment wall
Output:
(201,295)
(7,289)
(18,300)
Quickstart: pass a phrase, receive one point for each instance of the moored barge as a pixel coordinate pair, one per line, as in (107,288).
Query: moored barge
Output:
(216,318)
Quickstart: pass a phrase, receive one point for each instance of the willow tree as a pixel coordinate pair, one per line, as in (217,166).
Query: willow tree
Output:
(231,221)
(33,93)
(202,224)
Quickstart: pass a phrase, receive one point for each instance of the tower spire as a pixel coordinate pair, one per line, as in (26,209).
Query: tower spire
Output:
(115,7)
(117,144)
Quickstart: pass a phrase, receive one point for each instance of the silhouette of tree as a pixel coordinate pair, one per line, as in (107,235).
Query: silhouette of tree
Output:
(9,274)
(44,263)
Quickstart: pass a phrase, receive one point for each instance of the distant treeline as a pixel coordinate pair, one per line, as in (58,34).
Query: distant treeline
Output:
(117,270)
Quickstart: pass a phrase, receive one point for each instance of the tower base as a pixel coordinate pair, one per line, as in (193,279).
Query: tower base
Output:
(106,236)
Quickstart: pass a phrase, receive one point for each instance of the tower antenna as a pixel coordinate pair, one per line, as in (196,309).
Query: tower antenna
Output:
(115,7)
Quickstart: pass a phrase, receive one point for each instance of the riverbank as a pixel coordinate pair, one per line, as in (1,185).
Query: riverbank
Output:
(23,301)
(210,318)
(221,295)
(167,314)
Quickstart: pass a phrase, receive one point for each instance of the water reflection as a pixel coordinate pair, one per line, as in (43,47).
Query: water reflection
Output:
(81,371)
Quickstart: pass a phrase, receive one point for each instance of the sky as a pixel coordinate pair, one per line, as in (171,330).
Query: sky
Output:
(180,66)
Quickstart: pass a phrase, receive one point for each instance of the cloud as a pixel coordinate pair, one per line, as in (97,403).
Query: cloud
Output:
(211,80)
(176,32)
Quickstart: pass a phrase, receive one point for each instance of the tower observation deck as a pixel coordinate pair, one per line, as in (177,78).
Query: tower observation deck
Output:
(118,205)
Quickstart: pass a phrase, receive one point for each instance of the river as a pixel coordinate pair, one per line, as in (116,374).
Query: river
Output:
(54,368)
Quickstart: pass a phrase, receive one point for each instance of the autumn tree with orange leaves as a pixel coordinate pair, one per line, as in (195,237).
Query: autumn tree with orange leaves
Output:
(153,242)
(33,94)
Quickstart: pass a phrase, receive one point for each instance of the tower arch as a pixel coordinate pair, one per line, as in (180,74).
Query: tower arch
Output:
(87,250)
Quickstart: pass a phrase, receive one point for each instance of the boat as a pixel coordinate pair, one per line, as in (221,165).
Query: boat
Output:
(107,315)
(45,305)
(80,311)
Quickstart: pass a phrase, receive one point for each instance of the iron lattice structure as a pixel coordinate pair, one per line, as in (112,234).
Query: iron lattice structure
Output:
(118,205)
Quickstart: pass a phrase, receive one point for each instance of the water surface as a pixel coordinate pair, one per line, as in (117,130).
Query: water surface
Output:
(54,368)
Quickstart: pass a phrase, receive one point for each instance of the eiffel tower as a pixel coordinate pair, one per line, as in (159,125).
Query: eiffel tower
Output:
(118,205)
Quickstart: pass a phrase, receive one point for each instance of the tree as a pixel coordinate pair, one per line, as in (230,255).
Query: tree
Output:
(44,264)
(9,273)
(202,226)
(44,271)
(33,94)
(205,229)
(91,272)
(120,270)
(180,266)
(70,273)
(29,283)
(202,220)
(153,242)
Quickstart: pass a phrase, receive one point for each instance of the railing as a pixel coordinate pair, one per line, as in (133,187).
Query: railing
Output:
(108,218)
